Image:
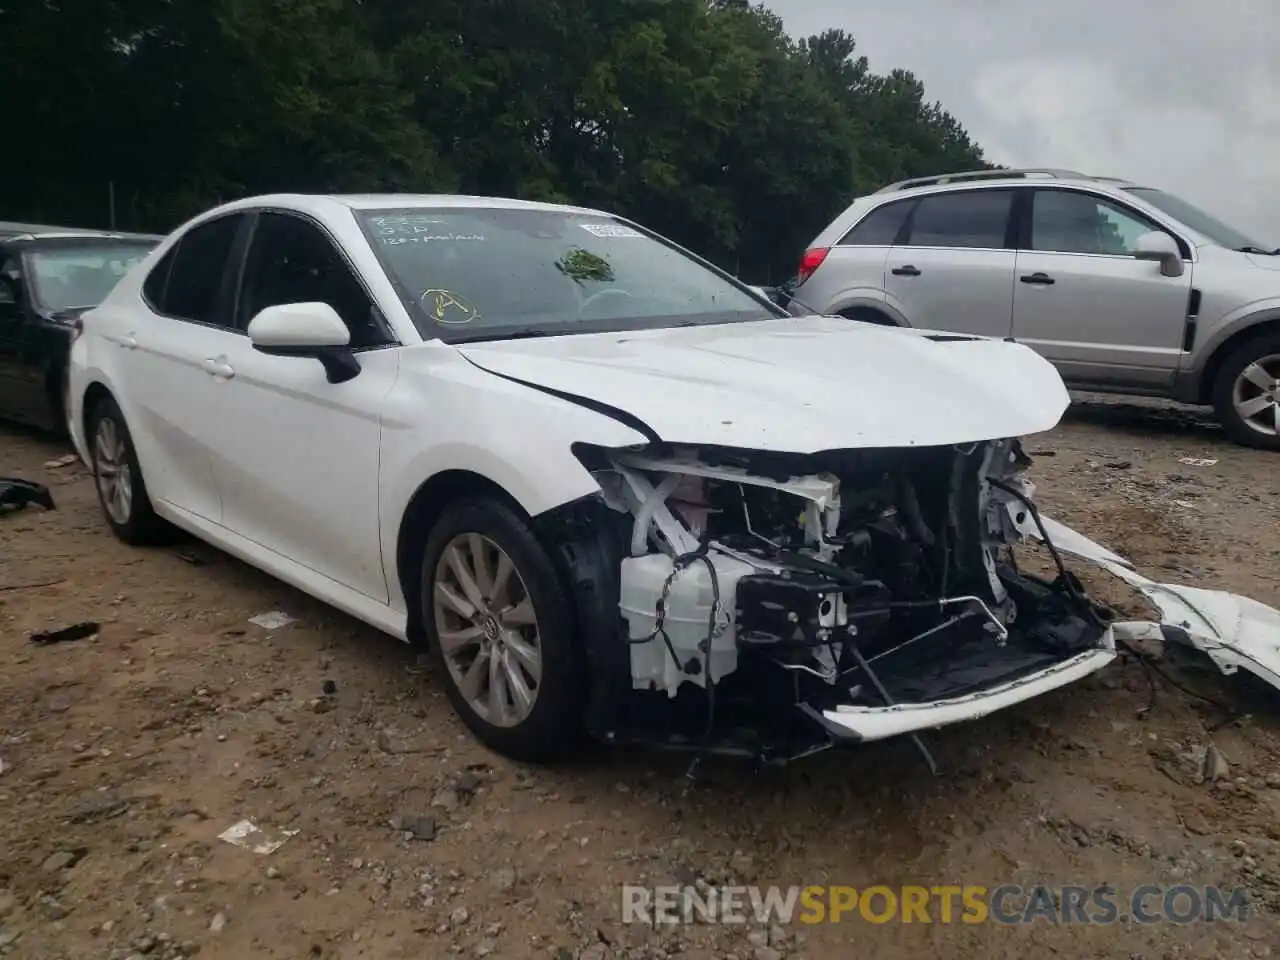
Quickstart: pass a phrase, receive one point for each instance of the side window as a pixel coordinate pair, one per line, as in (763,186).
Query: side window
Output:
(1064,221)
(977,218)
(880,227)
(153,288)
(292,261)
(199,262)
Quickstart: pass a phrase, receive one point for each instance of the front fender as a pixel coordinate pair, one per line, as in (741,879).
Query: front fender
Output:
(1240,319)
(450,416)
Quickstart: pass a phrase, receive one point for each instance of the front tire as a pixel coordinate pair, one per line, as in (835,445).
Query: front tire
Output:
(1246,393)
(500,628)
(122,493)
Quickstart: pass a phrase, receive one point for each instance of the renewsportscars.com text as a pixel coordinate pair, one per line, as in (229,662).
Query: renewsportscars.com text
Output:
(1008,904)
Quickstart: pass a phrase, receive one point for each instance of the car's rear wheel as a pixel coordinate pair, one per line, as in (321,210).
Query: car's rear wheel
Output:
(500,627)
(1246,392)
(122,492)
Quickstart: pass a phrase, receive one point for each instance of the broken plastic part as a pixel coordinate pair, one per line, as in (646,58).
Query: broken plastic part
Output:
(16,494)
(1232,630)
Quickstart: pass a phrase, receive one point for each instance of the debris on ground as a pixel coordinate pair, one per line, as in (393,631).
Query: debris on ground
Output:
(59,462)
(1197,461)
(16,494)
(77,631)
(250,836)
(272,620)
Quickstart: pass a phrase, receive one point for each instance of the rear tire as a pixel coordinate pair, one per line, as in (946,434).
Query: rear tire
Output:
(1246,392)
(500,628)
(122,492)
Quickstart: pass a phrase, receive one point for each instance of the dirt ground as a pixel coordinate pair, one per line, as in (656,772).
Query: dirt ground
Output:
(123,757)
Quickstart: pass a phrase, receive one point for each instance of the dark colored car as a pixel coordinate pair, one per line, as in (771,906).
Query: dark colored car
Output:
(46,281)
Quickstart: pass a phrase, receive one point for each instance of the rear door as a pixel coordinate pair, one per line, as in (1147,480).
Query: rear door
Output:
(1086,304)
(953,268)
(167,382)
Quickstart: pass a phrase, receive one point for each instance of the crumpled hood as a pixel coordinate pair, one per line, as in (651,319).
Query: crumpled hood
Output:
(800,384)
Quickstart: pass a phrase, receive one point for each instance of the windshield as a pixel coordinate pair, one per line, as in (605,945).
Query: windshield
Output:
(72,277)
(1197,219)
(487,274)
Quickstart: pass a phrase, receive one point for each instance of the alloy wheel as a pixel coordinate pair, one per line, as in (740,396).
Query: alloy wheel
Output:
(1256,395)
(487,629)
(111,467)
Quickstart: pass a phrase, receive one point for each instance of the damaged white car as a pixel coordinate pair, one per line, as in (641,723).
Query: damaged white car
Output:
(612,489)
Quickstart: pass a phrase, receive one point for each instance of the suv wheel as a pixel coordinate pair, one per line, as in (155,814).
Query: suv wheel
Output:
(1246,392)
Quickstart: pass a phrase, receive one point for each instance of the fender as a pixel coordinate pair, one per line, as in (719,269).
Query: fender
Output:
(1239,319)
(517,437)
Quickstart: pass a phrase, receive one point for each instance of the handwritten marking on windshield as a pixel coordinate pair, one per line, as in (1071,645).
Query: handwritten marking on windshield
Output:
(445,306)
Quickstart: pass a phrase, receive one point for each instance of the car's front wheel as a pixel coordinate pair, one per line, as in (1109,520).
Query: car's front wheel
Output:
(1246,392)
(500,627)
(121,490)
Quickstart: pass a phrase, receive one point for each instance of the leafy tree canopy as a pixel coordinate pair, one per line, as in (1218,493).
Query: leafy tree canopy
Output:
(704,120)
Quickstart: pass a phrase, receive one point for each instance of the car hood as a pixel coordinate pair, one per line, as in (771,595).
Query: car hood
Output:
(1267,263)
(800,384)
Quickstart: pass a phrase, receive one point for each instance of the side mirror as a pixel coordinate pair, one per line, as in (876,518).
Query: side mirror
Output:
(306,330)
(1161,248)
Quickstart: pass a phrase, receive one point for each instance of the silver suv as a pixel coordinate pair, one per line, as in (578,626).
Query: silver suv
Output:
(1124,288)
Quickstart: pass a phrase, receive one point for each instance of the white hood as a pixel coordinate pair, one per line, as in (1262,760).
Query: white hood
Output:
(798,385)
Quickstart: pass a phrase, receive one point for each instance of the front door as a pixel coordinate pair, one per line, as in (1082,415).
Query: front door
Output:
(15,388)
(954,270)
(165,356)
(294,456)
(1086,304)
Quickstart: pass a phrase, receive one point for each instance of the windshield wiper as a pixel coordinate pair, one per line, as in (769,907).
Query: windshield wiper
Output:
(1259,251)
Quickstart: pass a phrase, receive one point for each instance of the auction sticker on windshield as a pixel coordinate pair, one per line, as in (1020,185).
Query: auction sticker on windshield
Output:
(610,230)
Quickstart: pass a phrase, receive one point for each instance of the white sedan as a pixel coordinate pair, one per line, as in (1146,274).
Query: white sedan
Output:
(612,489)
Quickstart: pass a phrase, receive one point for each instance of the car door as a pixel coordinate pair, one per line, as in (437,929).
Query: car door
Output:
(953,267)
(166,382)
(1083,301)
(295,456)
(14,399)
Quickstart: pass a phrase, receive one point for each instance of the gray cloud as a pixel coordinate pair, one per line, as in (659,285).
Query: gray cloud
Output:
(1179,94)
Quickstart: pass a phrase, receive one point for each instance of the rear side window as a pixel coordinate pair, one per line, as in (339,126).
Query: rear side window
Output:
(880,227)
(187,282)
(979,218)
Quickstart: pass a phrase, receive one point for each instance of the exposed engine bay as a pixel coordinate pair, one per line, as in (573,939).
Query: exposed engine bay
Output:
(774,605)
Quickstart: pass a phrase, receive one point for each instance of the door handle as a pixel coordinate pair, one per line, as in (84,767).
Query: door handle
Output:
(906,271)
(219,368)
(1040,279)
(129,341)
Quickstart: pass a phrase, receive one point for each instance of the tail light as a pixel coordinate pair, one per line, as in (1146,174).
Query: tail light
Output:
(810,262)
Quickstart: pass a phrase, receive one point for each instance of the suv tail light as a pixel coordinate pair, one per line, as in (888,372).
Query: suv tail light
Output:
(810,262)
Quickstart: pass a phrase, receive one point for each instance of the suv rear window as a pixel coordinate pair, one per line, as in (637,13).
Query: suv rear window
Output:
(976,218)
(880,227)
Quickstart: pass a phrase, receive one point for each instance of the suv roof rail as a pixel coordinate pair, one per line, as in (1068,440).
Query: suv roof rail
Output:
(961,176)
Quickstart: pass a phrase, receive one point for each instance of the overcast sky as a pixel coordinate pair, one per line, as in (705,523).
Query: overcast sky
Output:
(1179,94)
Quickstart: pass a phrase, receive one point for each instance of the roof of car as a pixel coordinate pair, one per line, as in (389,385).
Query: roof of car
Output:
(68,239)
(998,178)
(315,202)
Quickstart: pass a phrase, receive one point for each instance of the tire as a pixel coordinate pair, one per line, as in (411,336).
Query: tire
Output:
(117,477)
(1231,386)
(534,589)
